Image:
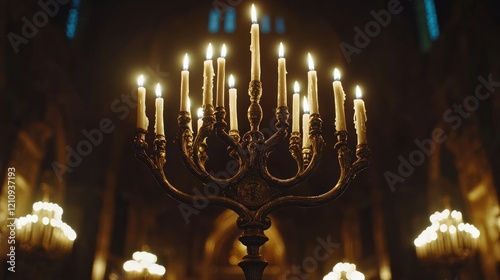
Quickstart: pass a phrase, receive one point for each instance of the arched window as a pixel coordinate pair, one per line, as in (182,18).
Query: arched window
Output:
(280,25)
(72,19)
(432,20)
(213,21)
(230,20)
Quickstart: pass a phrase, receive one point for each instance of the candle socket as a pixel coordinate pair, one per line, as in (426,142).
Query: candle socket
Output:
(184,134)
(341,139)
(315,125)
(140,144)
(295,147)
(254,110)
(306,156)
(220,118)
(160,145)
(282,116)
(363,153)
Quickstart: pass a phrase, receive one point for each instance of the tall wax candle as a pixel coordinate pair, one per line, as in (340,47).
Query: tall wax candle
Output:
(360,117)
(306,142)
(339,97)
(221,76)
(255,46)
(200,118)
(159,129)
(208,74)
(233,105)
(312,86)
(281,77)
(296,108)
(185,85)
(142,119)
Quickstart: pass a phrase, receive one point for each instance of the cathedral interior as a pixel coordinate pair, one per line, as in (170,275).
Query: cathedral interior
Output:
(430,73)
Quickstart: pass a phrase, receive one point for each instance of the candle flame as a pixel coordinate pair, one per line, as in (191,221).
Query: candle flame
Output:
(336,74)
(185,63)
(311,62)
(231,81)
(281,51)
(200,113)
(223,51)
(305,106)
(296,87)
(158,90)
(358,93)
(140,80)
(254,14)
(209,51)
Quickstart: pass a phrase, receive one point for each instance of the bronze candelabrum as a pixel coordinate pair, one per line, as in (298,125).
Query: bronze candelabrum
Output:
(253,193)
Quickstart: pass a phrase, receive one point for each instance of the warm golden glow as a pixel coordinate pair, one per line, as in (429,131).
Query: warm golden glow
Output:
(231,81)
(200,113)
(336,74)
(359,94)
(158,90)
(210,51)
(254,14)
(310,61)
(223,50)
(140,80)
(305,106)
(296,87)
(347,270)
(143,263)
(185,62)
(281,50)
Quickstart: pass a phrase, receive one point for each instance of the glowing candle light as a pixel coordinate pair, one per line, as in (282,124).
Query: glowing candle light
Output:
(208,74)
(296,108)
(185,84)
(255,46)
(221,74)
(360,117)
(159,129)
(339,97)
(142,119)
(312,86)
(281,77)
(306,142)
(233,106)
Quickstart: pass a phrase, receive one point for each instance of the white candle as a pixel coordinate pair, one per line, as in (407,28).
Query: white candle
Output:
(233,105)
(296,108)
(360,117)
(159,130)
(142,119)
(190,124)
(338,91)
(306,142)
(185,85)
(200,118)
(255,46)
(281,77)
(221,76)
(208,74)
(312,86)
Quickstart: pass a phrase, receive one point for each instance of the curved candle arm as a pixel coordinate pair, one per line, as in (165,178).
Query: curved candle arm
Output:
(347,174)
(156,166)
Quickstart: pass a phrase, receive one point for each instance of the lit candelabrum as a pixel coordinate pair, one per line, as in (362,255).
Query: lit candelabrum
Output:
(143,266)
(44,232)
(253,192)
(448,240)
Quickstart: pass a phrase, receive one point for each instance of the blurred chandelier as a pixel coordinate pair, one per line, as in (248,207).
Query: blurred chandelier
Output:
(44,232)
(448,240)
(143,266)
(251,190)
(344,271)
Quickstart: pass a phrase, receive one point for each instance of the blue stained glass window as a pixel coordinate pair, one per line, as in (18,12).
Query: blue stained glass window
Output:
(265,24)
(431,16)
(72,22)
(213,21)
(280,25)
(230,20)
